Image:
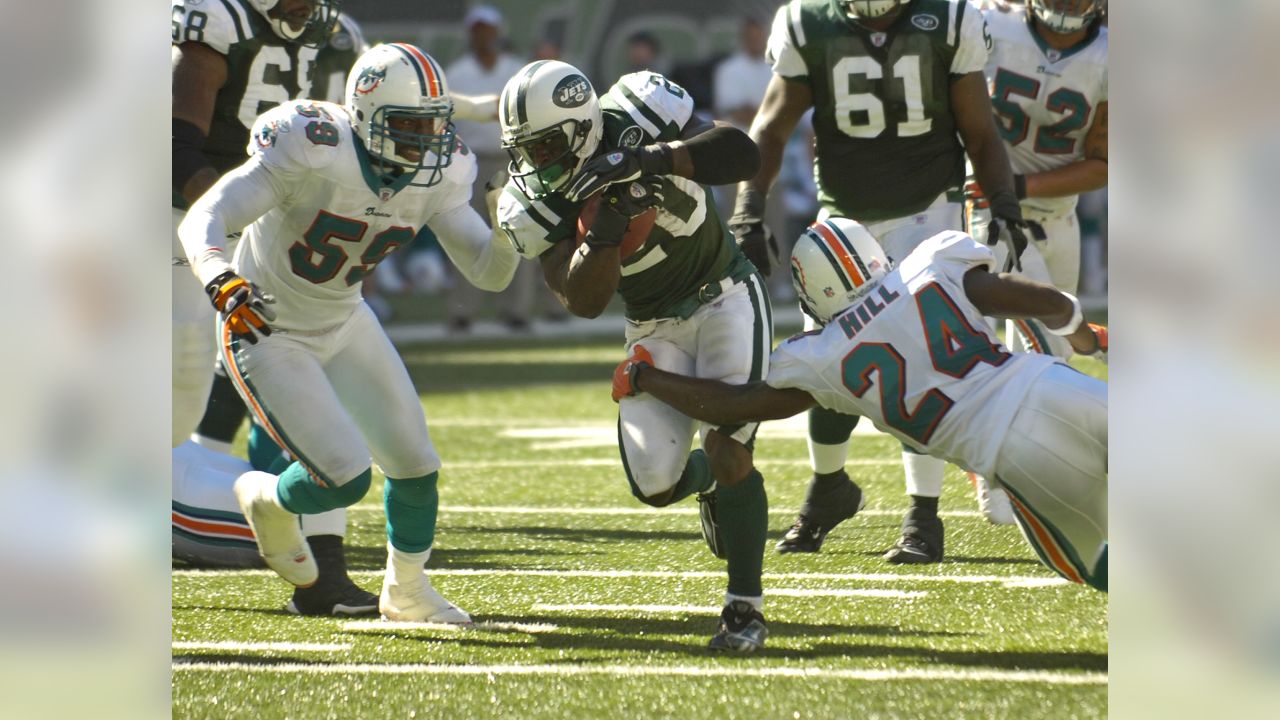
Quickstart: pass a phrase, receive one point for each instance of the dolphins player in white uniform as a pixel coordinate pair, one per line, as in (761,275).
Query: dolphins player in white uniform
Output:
(327,193)
(1047,72)
(908,348)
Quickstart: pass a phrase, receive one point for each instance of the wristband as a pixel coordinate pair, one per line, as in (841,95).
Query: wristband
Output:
(656,159)
(1077,317)
(1020,187)
(749,206)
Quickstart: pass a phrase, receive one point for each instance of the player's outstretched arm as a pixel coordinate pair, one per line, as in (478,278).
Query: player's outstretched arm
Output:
(710,401)
(1014,296)
(1085,175)
(484,257)
(238,199)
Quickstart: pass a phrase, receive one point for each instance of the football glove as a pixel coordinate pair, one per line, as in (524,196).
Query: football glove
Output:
(620,203)
(617,167)
(1099,332)
(1010,232)
(758,243)
(624,376)
(243,307)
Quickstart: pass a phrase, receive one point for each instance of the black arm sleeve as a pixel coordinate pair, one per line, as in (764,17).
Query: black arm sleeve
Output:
(188,154)
(723,155)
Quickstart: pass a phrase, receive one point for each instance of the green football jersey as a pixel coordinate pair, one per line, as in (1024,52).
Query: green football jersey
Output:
(263,70)
(885,134)
(333,64)
(689,246)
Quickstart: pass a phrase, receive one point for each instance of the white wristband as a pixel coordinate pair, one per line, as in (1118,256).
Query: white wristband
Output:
(1077,317)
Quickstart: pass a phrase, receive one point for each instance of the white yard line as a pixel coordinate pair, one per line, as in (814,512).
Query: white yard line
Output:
(262,646)
(607,607)
(1009,581)
(615,462)
(382,625)
(535,510)
(1042,677)
(847,592)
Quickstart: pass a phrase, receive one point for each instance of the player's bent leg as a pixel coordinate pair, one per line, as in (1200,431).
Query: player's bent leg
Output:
(921,541)
(654,438)
(1053,464)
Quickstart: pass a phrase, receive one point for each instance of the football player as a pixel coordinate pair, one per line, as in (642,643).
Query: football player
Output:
(688,292)
(907,347)
(233,60)
(327,193)
(899,101)
(1048,78)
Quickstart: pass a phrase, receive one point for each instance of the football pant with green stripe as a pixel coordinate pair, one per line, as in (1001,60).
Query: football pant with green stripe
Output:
(730,340)
(335,399)
(1053,463)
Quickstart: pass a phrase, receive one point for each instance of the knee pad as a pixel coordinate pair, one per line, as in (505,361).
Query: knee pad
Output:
(354,491)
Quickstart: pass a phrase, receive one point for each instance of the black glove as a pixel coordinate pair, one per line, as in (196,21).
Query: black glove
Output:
(758,243)
(619,166)
(619,203)
(1010,233)
(242,305)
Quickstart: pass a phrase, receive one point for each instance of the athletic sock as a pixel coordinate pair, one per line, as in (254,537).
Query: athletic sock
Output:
(224,411)
(926,504)
(923,473)
(264,453)
(829,439)
(412,505)
(742,512)
(696,478)
(330,559)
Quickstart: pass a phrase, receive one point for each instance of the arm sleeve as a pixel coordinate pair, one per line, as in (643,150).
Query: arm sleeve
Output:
(785,39)
(240,197)
(475,108)
(973,41)
(484,257)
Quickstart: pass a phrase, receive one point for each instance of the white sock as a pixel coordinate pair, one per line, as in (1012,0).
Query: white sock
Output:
(924,474)
(210,443)
(406,564)
(827,458)
(757,601)
(332,522)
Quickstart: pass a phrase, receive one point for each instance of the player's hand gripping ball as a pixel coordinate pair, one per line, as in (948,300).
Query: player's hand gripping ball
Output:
(637,232)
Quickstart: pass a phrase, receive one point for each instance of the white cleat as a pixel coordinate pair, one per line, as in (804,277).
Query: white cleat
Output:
(280,540)
(993,501)
(414,600)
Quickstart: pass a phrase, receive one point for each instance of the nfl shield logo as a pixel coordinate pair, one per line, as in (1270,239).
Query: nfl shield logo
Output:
(385,194)
(878,39)
(1053,55)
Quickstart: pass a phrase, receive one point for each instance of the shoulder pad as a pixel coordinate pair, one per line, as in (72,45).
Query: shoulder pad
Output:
(660,107)
(300,135)
(214,23)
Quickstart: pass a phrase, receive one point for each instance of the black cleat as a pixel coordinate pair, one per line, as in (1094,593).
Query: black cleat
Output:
(921,541)
(333,593)
(710,528)
(742,628)
(835,506)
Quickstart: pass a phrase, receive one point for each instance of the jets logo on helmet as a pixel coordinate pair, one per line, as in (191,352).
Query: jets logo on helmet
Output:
(369,79)
(551,125)
(401,111)
(833,263)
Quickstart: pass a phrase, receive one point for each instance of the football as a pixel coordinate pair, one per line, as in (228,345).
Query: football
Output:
(637,231)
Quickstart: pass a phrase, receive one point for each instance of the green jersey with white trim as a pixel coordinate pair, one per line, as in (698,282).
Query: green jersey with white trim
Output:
(689,246)
(885,133)
(263,70)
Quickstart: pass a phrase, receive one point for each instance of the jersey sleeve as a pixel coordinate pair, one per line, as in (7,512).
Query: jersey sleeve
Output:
(459,179)
(973,41)
(660,107)
(785,39)
(789,367)
(288,141)
(531,226)
(209,23)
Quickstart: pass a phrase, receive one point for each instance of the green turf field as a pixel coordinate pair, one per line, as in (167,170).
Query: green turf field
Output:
(590,604)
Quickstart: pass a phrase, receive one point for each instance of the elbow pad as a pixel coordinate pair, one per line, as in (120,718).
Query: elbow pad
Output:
(723,155)
(188,153)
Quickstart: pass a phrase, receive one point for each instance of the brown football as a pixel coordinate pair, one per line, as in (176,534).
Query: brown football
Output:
(637,231)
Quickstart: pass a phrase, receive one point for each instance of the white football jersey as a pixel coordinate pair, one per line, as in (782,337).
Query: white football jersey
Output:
(334,219)
(916,357)
(1045,100)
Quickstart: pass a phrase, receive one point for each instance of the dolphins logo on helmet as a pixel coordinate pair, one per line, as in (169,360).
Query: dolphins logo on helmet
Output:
(370,77)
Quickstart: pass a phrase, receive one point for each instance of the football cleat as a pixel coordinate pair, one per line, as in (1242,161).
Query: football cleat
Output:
(710,528)
(338,597)
(277,531)
(742,628)
(921,540)
(993,501)
(413,599)
(808,533)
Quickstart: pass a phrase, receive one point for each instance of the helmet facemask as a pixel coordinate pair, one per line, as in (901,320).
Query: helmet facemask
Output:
(547,160)
(427,148)
(290,23)
(1066,16)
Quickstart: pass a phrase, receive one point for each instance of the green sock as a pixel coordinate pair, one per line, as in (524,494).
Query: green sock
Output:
(302,495)
(696,477)
(264,453)
(742,512)
(412,505)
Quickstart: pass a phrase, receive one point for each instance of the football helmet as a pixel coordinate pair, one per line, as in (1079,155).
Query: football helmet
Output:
(834,263)
(551,125)
(400,108)
(869,9)
(305,22)
(1066,16)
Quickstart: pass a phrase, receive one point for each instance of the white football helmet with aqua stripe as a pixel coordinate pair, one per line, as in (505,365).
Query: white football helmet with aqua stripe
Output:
(834,263)
(401,111)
